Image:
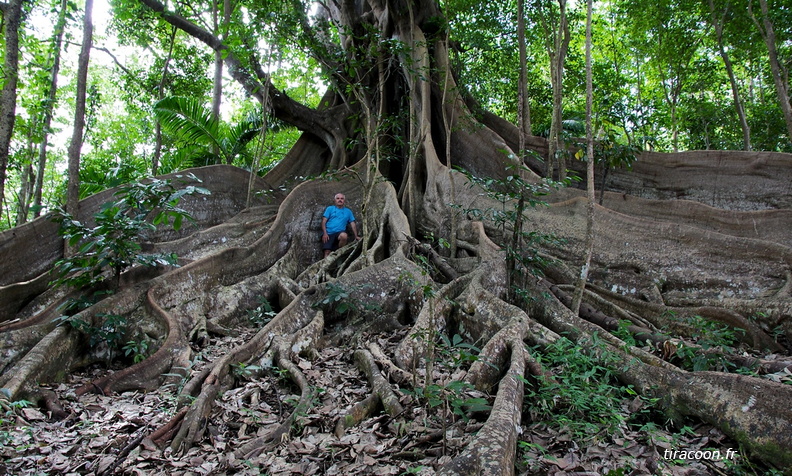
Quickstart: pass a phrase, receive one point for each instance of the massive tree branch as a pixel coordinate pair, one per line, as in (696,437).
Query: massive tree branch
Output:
(322,123)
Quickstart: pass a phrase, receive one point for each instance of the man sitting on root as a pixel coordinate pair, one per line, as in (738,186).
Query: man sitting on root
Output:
(334,225)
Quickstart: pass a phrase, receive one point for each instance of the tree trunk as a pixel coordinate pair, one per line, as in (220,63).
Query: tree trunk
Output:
(155,160)
(557,50)
(75,146)
(47,120)
(26,180)
(778,70)
(524,103)
(221,29)
(12,15)
(590,159)
(717,24)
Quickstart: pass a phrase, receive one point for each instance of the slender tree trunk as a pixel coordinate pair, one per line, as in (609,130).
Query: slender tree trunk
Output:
(155,160)
(589,246)
(221,27)
(47,121)
(26,180)
(448,122)
(523,127)
(12,15)
(75,146)
(524,105)
(561,39)
(780,75)
(717,24)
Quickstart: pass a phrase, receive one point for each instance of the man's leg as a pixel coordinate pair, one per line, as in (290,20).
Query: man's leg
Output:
(330,245)
(342,239)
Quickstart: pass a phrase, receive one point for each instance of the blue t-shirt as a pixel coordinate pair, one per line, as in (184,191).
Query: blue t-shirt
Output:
(337,219)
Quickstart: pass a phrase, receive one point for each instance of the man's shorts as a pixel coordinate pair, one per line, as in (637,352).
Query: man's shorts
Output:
(332,243)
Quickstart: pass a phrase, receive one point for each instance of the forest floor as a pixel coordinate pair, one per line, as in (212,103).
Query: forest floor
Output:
(109,434)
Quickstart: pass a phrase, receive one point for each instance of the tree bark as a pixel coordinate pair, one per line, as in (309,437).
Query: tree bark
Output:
(12,16)
(590,193)
(717,24)
(657,262)
(60,28)
(221,31)
(524,103)
(75,146)
(557,46)
(778,70)
(155,159)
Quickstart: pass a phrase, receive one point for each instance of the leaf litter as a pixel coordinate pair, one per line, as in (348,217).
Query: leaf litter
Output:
(109,434)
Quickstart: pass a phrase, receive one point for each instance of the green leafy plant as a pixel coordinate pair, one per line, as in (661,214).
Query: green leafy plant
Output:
(583,397)
(110,331)
(263,313)
(451,397)
(205,139)
(137,349)
(709,335)
(244,371)
(113,242)
(610,153)
(10,410)
(338,298)
(454,352)
(516,195)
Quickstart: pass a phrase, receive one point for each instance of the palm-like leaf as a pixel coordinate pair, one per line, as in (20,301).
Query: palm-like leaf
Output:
(191,122)
(244,132)
(188,120)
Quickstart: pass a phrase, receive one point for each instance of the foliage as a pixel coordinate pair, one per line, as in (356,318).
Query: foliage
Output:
(583,397)
(709,336)
(137,349)
(339,300)
(244,371)
(109,333)
(113,243)
(516,194)
(8,418)
(262,314)
(453,397)
(204,138)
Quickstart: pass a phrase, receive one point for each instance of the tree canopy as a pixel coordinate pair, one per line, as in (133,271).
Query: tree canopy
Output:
(679,75)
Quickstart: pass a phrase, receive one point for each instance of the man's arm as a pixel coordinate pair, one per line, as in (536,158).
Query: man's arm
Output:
(354,229)
(325,238)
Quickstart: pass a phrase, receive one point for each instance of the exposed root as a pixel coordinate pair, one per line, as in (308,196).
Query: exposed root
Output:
(162,435)
(723,400)
(379,386)
(609,323)
(493,450)
(660,316)
(174,352)
(669,346)
(486,371)
(359,412)
(448,272)
(122,455)
(281,433)
(39,364)
(394,372)
(431,319)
